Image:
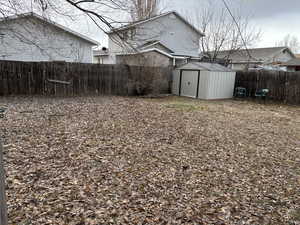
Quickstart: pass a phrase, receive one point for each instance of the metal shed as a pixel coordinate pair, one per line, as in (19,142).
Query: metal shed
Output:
(204,81)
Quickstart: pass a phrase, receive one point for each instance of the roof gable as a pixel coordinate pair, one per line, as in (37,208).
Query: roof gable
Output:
(48,21)
(257,54)
(138,23)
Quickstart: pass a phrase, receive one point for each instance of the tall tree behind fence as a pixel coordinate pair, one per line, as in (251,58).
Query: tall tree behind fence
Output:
(283,86)
(68,79)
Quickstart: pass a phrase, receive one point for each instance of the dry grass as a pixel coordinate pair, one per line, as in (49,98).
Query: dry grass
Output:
(114,160)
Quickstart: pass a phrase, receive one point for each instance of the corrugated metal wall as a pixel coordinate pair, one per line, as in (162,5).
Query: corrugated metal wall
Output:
(212,85)
(203,85)
(221,85)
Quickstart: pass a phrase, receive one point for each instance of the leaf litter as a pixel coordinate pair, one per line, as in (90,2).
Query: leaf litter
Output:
(116,160)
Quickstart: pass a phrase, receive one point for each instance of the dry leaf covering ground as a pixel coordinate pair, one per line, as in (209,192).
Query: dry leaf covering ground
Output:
(114,160)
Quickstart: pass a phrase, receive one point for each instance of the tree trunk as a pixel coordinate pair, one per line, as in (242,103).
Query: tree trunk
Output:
(3,206)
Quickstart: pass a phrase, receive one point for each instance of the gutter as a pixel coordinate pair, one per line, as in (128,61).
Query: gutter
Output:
(159,51)
(152,50)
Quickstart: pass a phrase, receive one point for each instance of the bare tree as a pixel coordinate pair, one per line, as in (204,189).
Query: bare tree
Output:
(143,9)
(221,32)
(290,41)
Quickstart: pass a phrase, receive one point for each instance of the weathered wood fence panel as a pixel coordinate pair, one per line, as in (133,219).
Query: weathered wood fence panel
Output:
(283,86)
(3,206)
(68,79)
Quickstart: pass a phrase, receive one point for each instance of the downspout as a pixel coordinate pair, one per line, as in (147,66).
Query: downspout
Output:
(174,62)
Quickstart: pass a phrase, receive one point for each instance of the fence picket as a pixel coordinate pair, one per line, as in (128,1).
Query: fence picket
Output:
(283,86)
(32,78)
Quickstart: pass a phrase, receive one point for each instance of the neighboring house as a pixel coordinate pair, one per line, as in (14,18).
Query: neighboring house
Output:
(297,55)
(240,60)
(30,37)
(101,56)
(292,65)
(168,36)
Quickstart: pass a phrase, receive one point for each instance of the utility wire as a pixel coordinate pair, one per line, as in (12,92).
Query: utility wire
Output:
(239,29)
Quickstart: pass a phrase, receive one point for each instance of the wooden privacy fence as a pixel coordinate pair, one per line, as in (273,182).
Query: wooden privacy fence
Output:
(283,86)
(68,79)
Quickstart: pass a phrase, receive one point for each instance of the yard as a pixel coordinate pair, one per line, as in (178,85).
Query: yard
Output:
(115,160)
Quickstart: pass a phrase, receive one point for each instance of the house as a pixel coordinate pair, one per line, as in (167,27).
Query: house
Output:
(166,39)
(240,59)
(101,56)
(292,65)
(31,37)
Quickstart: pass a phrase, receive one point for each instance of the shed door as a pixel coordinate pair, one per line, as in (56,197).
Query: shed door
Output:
(189,83)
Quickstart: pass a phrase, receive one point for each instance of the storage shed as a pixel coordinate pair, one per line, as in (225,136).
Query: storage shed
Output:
(204,81)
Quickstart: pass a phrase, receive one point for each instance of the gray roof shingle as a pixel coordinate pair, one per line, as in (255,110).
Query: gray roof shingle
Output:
(257,54)
(292,62)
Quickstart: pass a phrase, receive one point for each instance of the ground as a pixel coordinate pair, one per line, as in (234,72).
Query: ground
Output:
(115,160)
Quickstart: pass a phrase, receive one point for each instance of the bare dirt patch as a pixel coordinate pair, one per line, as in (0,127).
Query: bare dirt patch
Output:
(114,160)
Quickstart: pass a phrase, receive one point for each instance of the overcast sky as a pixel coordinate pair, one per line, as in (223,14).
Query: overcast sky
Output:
(275,18)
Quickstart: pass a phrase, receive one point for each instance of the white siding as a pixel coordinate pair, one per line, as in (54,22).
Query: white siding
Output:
(102,59)
(169,30)
(30,39)
(172,32)
(114,44)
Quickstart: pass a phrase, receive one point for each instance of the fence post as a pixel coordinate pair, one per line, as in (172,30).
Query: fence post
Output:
(3,206)
(286,88)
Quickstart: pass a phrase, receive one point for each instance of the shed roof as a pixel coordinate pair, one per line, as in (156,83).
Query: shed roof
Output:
(204,66)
